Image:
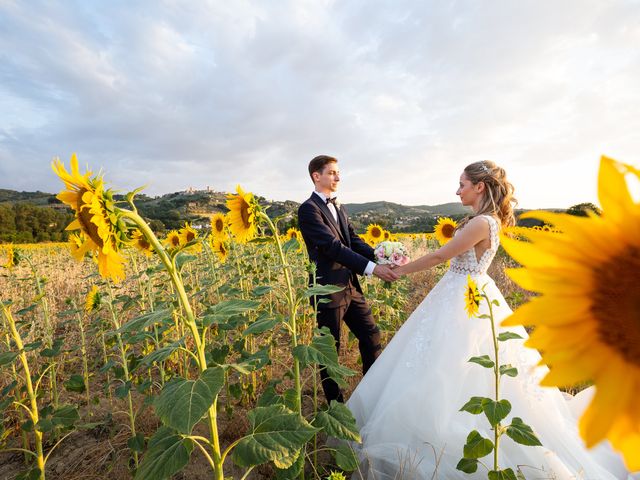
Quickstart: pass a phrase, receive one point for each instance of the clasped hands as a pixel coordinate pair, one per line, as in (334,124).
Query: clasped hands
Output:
(386,273)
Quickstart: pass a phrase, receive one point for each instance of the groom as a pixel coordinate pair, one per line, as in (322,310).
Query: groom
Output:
(340,255)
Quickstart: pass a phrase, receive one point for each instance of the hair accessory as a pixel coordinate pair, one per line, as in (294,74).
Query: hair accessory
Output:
(484,167)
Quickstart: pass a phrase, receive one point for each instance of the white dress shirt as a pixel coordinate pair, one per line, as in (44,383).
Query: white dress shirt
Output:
(332,208)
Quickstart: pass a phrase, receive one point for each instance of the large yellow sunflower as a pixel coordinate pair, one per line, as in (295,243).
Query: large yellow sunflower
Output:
(78,245)
(294,233)
(243,208)
(587,316)
(96,216)
(375,233)
(188,235)
(172,240)
(444,229)
(11,257)
(471,297)
(220,248)
(141,243)
(93,300)
(219,225)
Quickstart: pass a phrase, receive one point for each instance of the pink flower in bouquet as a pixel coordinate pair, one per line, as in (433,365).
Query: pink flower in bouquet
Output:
(399,259)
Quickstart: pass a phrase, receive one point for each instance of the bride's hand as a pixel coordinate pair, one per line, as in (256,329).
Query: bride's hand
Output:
(397,269)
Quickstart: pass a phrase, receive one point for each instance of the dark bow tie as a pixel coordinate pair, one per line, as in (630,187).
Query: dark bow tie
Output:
(333,200)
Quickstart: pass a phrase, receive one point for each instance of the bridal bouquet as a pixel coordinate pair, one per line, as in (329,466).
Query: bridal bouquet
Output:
(391,253)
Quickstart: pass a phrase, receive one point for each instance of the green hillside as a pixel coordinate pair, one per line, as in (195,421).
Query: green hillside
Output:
(39,216)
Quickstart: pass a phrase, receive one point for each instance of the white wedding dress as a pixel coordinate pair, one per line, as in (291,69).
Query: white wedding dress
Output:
(407,405)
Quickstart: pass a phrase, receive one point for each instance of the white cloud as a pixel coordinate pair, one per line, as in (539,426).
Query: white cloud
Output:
(405,94)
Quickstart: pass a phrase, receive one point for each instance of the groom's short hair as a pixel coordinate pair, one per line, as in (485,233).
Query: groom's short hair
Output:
(319,162)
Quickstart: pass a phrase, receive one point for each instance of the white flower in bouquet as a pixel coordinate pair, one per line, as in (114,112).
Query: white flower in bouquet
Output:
(391,253)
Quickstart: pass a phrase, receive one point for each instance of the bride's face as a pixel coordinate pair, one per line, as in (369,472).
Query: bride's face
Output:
(469,193)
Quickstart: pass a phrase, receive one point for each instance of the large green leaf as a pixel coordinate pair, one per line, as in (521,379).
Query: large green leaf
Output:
(293,471)
(252,362)
(55,348)
(477,446)
(168,453)
(483,360)
(182,403)
(474,405)
(508,370)
(322,351)
(222,311)
(346,458)
(496,411)
(291,244)
(338,421)
(261,290)
(62,417)
(507,474)
(277,434)
(182,258)
(504,336)
(143,321)
(136,443)
(270,396)
(161,354)
(6,358)
(262,324)
(75,383)
(522,433)
(467,465)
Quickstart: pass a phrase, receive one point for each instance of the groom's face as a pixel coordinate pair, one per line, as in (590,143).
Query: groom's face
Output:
(328,178)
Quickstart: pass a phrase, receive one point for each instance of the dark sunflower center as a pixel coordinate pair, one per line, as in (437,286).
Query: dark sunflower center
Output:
(616,303)
(190,236)
(447,230)
(84,217)
(375,232)
(244,213)
(294,235)
(144,244)
(175,240)
(471,295)
(219,225)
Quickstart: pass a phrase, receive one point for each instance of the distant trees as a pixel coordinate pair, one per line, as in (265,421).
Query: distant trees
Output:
(25,222)
(581,209)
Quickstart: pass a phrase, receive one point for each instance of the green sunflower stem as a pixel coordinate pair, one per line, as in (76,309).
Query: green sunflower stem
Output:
(31,393)
(48,338)
(125,368)
(292,313)
(83,351)
(292,318)
(190,321)
(496,373)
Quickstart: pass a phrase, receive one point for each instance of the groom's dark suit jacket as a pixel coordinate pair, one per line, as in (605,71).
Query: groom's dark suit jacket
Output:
(338,252)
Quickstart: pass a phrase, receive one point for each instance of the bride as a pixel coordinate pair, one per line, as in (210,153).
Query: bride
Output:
(408,404)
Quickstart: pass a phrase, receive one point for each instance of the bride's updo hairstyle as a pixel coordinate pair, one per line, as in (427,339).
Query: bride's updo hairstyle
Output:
(498,199)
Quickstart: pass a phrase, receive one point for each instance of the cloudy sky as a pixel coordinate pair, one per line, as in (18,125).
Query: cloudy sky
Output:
(405,93)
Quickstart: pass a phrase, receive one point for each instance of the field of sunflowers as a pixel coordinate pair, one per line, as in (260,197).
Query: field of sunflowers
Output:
(196,355)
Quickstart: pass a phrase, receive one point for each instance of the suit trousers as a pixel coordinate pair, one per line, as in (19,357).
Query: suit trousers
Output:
(356,313)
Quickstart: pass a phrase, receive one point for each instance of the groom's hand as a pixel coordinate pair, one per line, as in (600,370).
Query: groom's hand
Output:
(383,272)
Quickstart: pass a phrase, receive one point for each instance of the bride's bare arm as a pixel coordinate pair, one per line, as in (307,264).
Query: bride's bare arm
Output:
(473,233)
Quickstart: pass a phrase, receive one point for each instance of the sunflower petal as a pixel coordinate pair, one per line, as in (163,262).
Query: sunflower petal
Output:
(612,190)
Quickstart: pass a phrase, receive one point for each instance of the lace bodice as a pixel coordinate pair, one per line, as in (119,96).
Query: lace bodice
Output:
(467,264)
